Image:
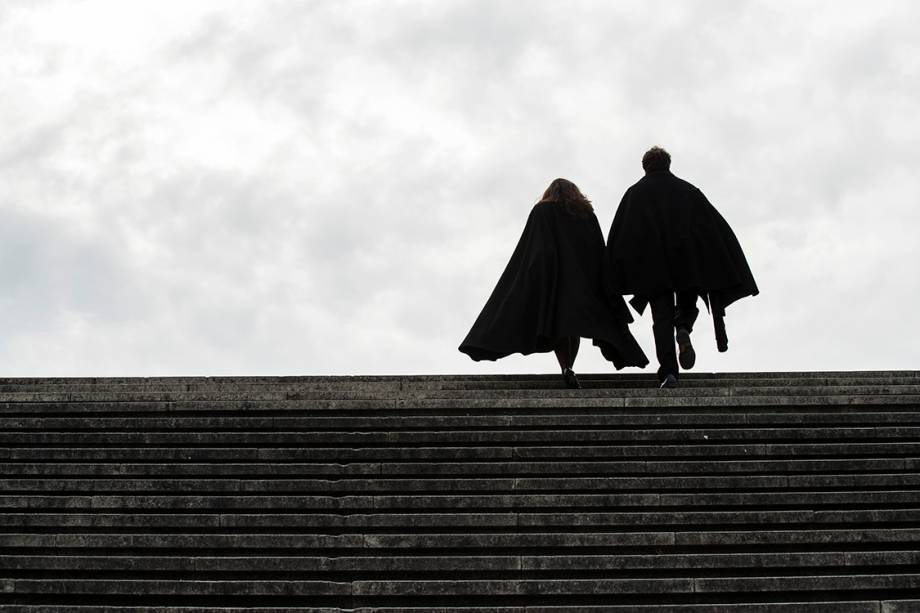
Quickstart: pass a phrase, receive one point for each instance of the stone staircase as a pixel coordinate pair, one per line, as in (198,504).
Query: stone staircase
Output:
(742,492)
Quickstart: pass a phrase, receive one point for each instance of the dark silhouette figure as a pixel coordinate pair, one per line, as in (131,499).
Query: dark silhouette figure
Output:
(551,293)
(667,246)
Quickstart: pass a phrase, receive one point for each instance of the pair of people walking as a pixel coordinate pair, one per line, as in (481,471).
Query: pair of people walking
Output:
(667,247)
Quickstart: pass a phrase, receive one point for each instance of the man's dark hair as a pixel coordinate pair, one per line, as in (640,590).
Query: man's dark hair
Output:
(656,158)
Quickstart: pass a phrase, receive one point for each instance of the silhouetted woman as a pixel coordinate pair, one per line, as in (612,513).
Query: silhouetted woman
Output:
(551,292)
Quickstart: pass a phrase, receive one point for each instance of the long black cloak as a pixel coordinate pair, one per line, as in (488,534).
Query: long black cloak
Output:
(552,288)
(667,237)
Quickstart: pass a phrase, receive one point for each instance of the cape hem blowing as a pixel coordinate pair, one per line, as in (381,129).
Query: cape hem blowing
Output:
(552,288)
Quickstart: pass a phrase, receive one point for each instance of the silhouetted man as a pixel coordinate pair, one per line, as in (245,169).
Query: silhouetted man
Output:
(667,246)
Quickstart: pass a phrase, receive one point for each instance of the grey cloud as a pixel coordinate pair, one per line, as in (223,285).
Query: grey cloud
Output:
(47,270)
(377,162)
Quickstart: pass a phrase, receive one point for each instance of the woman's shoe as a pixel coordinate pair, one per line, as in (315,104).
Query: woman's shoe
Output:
(571,381)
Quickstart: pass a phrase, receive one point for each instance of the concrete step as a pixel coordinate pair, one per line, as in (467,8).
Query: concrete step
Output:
(467,468)
(739,492)
(850,416)
(831,606)
(734,563)
(258,501)
(470,518)
(463,541)
(369,409)
(688,381)
(660,398)
(908,435)
(744,396)
(632,378)
(550,387)
(347,454)
(695,391)
(360,484)
(494,588)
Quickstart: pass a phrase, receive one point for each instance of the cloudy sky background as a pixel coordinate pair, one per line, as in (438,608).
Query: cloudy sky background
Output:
(333,187)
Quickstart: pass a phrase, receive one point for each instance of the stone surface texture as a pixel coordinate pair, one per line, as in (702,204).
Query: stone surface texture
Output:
(736,492)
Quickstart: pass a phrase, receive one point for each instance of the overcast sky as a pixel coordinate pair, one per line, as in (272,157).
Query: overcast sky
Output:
(334,187)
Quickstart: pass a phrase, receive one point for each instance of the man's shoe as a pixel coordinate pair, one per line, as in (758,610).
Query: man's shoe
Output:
(685,353)
(571,381)
(669,381)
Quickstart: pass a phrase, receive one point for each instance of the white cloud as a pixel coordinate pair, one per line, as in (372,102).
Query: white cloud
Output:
(211,187)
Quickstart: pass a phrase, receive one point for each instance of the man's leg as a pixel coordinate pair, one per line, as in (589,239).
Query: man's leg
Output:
(686,312)
(684,317)
(663,328)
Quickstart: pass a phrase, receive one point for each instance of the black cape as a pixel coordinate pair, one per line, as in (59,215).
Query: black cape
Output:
(552,288)
(667,237)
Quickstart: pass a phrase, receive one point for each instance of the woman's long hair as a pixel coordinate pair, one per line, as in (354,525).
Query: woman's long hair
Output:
(567,194)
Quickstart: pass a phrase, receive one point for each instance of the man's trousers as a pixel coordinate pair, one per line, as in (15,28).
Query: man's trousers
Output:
(668,316)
